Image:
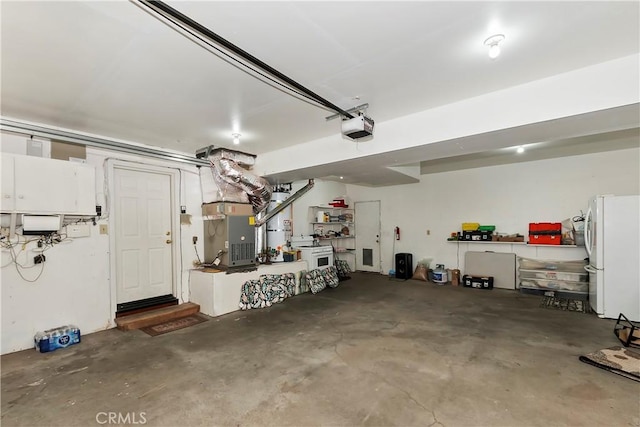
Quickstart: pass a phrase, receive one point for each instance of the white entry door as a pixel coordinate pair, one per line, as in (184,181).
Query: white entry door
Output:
(367,219)
(143,234)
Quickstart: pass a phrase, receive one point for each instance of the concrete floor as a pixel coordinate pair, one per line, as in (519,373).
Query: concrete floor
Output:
(371,352)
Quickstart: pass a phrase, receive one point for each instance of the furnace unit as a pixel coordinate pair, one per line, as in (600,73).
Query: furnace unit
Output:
(229,235)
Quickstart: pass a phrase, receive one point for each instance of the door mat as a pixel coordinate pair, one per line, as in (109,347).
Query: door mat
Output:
(174,325)
(618,360)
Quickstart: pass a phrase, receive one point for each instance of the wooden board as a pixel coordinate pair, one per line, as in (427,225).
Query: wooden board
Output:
(501,266)
(153,317)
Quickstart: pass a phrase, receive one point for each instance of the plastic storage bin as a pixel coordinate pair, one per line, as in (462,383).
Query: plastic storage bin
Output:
(568,276)
(545,228)
(477,282)
(545,239)
(575,266)
(556,285)
(556,275)
(470,226)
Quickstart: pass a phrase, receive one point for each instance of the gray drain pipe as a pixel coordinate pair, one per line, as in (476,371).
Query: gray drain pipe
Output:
(260,222)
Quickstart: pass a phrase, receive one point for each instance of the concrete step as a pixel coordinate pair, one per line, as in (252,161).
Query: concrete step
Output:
(153,317)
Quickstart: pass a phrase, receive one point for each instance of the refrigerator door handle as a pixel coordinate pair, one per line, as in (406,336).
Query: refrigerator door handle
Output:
(587,231)
(590,269)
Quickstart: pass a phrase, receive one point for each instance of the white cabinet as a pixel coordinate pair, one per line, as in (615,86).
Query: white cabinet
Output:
(47,186)
(7,203)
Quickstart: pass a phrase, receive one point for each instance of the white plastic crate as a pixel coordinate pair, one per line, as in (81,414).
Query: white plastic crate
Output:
(555,275)
(552,265)
(556,285)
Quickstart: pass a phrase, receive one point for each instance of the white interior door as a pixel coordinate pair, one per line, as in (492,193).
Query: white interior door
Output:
(367,219)
(143,234)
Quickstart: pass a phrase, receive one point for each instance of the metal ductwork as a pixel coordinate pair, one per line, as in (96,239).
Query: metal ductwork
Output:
(283,205)
(237,184)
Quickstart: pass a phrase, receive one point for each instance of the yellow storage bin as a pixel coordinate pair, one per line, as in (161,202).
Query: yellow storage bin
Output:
(470,226)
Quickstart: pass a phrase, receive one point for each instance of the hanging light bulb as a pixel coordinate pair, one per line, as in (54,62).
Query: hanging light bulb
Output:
(236,138)
(494,51)
(494,45)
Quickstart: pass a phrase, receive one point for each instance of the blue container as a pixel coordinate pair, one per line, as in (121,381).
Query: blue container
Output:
(60,337)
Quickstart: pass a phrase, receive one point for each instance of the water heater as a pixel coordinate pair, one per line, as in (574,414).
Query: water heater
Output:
(278,227)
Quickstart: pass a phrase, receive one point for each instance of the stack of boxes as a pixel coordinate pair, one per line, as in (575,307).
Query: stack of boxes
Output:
(475,231)
(545,233)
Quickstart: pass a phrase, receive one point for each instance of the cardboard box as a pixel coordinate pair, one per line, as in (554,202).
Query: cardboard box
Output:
(67,151)
(226,208)
(509,238)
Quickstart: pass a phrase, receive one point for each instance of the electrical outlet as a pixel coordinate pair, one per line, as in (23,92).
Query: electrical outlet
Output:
(195,239)
(104,229)
(428,232)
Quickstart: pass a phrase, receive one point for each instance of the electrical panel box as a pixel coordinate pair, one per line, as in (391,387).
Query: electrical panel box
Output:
(78,230)
(230,241)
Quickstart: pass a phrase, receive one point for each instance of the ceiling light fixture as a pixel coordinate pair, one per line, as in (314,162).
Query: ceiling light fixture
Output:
(494,45)
(236,138)
(342,177)
(520,149)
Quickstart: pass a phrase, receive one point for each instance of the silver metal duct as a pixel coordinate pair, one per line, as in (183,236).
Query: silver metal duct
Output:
(229,176)
(283,205)
(243,159)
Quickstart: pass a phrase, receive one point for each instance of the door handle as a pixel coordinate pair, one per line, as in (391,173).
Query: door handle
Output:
(168,241)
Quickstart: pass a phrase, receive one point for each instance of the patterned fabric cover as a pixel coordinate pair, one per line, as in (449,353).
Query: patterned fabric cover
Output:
(251,296)
(343,267)
(315,281)
(301,282)
(286,282)
(268,290)
(330,276)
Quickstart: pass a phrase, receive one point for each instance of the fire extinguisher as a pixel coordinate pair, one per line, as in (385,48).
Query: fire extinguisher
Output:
(396,232)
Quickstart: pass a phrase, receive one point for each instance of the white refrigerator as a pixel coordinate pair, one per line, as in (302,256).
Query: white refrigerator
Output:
(612,240)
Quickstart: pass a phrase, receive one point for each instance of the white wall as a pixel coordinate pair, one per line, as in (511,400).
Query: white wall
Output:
(508,196)
(321,194)
(75,286)
(540,106)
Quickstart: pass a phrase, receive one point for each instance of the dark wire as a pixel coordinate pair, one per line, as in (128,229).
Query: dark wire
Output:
(195,248)
(311,100)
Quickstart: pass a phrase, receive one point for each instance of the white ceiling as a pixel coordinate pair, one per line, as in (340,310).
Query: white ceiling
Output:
(112,69)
